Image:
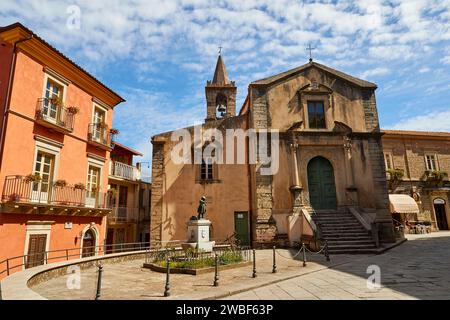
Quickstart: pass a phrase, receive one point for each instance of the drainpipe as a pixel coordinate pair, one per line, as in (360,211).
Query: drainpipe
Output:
(8,95)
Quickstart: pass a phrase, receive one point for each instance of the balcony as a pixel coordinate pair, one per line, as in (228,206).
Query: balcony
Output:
(124,171)
(19,192)
(100,136)
(52,114)
(123,215)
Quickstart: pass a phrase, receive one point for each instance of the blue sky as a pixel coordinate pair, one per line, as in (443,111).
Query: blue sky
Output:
(158,54)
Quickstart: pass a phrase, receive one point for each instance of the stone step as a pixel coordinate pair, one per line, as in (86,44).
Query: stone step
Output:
(343,229)
(339,225)
(328,235)
(349,242)
(350,237)
(353,251)
(351,246)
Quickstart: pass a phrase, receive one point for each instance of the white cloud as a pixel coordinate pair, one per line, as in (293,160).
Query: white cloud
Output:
(426,122)
(381,71)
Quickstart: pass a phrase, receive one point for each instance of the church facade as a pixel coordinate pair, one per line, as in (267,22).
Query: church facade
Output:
(330,175)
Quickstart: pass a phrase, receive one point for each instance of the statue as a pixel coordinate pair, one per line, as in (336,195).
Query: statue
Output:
(201,208)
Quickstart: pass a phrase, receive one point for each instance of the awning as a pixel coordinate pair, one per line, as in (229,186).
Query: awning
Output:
(402,203)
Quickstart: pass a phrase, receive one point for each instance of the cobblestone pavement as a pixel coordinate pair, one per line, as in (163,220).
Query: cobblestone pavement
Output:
(417,269)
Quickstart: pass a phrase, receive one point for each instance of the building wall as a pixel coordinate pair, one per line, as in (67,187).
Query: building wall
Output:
(176,192)
(349,112)
(28,87)
(408,153)
(13,230)
(20,149)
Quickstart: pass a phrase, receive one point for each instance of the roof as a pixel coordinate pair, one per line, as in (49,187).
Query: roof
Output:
(402,203)
(220,74)
(27,33)
(121,146)
(416,133)
(359,82)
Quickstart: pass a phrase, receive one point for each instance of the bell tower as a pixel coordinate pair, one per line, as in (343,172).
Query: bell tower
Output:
(220,94)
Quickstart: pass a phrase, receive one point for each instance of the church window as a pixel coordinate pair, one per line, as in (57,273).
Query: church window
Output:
(316,115)
(430,162)
(206,169)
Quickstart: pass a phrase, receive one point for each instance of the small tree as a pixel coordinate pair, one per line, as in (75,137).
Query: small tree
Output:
(395,177)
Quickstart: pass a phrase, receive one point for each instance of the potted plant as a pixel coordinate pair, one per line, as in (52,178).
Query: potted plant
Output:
(33,177)
(435,178)
(60,183)
(395,177)
(79,186)
(114,131)
(56,100)
(73,110)
(15,197)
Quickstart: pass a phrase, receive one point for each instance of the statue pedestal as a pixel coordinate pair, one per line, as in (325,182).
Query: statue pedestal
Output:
(198,235)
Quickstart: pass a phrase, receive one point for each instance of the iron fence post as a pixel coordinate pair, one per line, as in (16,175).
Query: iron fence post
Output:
(67,254)
(274,267)
(216,271)
(254,264)
(99,282)
(1,298)
(304,254)
(167,287)
(327,254)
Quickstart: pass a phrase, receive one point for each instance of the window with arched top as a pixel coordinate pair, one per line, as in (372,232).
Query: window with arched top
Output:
(221,105)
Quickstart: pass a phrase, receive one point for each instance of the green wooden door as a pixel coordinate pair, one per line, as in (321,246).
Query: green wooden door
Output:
(322,190)
(242,228)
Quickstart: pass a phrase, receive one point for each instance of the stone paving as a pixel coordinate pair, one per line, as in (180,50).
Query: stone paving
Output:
(417,269)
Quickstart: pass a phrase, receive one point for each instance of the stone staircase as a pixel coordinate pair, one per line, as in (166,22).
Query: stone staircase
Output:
(344,233)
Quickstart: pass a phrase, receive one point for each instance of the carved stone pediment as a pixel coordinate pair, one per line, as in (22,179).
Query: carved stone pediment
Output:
(341,127)
(315,88)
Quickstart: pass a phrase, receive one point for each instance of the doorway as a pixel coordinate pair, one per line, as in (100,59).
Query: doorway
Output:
(242,228)
(441,215)
(88,244)
(322,189)
(36,250)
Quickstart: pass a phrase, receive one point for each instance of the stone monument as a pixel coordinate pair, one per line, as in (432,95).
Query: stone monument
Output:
(198,230)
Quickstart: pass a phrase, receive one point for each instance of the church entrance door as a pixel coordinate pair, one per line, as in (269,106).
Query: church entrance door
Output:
(322,189)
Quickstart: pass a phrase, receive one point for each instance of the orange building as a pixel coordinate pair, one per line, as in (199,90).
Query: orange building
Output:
(56,139)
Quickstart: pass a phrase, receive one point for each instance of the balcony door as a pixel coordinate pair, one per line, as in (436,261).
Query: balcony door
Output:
(43,167)
(99,129)
(93,186)
(53,92)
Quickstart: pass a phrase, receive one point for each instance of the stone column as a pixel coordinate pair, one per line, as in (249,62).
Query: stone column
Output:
(296,187)
(295,219)
(351,191)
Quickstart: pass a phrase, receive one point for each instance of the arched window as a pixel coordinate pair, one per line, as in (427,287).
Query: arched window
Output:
(221,105)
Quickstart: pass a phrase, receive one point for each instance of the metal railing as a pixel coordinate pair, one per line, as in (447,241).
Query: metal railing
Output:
(20,263)
(20,189)
(53,112)
(123,214)
(123,170)
(100,134)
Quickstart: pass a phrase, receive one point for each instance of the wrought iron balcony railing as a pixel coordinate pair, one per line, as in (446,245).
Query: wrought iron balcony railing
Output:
(100,135)
(123,214)
(53,114)
(20,189)
(125,171)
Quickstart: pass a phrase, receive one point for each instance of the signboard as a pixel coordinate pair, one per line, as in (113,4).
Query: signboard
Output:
(67,225)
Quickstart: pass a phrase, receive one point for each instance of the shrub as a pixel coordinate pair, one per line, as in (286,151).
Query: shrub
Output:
(33,177)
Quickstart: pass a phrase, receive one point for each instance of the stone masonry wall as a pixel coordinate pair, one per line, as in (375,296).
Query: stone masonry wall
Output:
(264,227)
(157,192)
(383,218)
